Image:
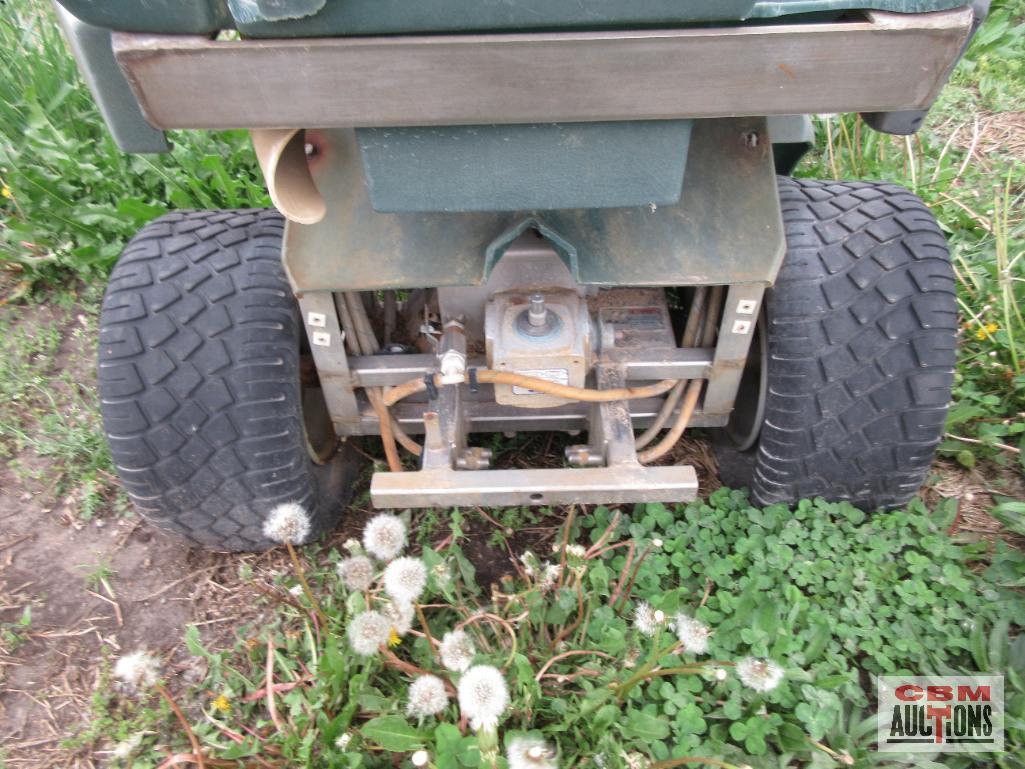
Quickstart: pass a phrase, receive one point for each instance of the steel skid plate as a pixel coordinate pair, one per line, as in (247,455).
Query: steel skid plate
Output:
(727,227)
(589,485)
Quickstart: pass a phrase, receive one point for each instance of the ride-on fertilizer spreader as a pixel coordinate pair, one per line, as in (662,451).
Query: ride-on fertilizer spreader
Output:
(499,217)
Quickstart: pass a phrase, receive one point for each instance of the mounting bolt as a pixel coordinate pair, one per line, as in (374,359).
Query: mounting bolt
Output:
(582,455)
(537,320)
(474,458)
(538,314)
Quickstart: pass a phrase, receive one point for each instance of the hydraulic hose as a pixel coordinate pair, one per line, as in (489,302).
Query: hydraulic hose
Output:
(695,317)
(690,400)
(356,314)
(487,376)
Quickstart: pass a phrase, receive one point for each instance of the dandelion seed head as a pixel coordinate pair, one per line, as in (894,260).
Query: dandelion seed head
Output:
(288,523)
(356,572)
(530,564)
(420,758)
(384,536)
(530,753)
(367,631)
(457,651)
(720,674)
(138,670)
(657,543)
(550,576)
(427,697)
(442,576)
(405,579)
(400,615)
(660,616)
(645,620)
(760,675)
(483,696)
(693,635)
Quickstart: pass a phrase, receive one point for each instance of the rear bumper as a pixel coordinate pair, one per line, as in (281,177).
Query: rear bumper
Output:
(881,62)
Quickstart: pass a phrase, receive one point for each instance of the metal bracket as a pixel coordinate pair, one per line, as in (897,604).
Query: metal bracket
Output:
(622,479)
(327,344)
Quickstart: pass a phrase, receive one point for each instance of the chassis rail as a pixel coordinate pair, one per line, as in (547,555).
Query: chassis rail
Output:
(878,63)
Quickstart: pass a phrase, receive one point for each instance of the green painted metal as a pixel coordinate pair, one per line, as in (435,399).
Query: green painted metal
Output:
(725,229)
(312,18)
(92,50)
(181,17)
(524,167)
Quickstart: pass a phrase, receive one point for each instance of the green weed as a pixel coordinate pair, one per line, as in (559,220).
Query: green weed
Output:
(71,198)
(589,644)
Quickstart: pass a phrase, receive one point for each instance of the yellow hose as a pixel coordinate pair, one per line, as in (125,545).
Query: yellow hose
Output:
(587,395)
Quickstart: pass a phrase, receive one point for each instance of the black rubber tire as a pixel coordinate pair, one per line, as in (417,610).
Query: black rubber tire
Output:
(861,324)
(199,381)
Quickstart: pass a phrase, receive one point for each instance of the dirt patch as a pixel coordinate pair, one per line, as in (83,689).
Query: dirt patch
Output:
(989,135)
(93,591)
(975,489)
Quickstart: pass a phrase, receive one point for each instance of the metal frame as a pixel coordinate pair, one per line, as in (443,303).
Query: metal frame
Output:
(883,62)
(621,478)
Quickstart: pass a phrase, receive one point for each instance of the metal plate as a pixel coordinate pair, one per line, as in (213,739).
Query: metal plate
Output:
(726,228)
(596,485)
(881,63)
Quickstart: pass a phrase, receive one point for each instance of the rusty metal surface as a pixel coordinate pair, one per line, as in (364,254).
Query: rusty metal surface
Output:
(727,227)
(736,330)
(881,62)
(327,345)
(588,485)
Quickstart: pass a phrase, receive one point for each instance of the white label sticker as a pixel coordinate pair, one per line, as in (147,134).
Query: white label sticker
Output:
(741,326)
(317,319)
(557,375)
(322,338)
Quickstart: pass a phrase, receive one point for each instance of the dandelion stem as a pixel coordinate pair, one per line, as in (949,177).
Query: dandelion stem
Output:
(185,725)
(669,763)
(301,574)
(565,543)
(493,618)
(697,667)
(633,577)
(269,675)
(622,577)
(574,653)
(596,548)
(408,667)
(427,632)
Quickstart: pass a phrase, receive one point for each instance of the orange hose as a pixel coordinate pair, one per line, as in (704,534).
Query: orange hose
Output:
(487,376)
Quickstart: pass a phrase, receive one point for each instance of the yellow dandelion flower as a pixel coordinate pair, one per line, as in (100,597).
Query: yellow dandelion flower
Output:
(980,334)
(6,192)
(222,704)
(393,638)
(992,328)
